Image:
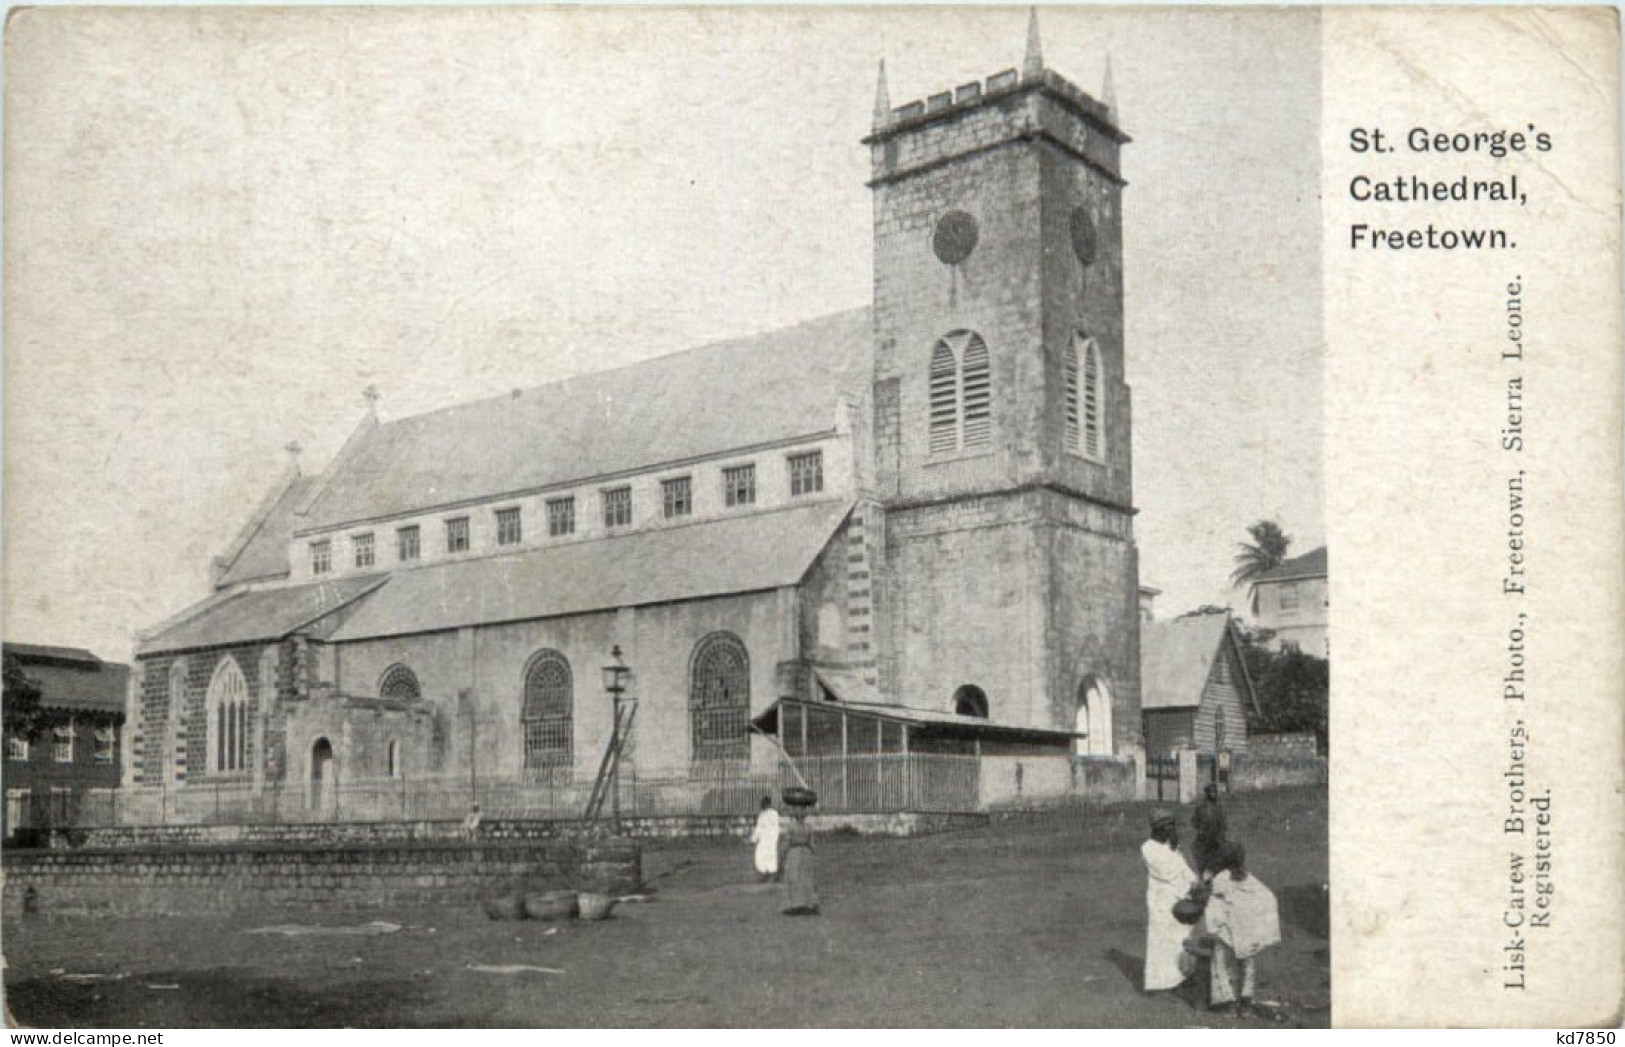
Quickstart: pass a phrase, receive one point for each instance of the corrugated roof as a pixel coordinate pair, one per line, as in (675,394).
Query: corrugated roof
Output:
(38,651)
(260,614)
(262,550)
(737,554)
(100,689)
(917,717)
(1175,658)
(1311,564)
(739,393)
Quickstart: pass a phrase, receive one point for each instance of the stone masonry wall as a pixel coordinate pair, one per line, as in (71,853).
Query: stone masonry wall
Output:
(186,881)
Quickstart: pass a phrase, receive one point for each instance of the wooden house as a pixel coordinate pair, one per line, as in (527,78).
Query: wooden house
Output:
(1195,689)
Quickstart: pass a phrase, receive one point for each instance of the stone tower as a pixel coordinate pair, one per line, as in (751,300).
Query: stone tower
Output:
(1007,575)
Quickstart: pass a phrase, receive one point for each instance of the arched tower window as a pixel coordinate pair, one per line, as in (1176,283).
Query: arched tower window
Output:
(961,394)
(548,717)
(971,700)
(944,400)
(1085,398)
(400,683)
(393,759)
(227,711)
(719,699)
(1094,719)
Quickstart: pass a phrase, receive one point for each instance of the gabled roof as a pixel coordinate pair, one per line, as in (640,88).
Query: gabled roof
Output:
(257,615)
(260,550)
(1176,657)
(736,554)
(1311,564)
(737,394)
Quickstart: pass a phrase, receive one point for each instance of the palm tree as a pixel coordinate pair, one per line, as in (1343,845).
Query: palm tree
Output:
(1262,555)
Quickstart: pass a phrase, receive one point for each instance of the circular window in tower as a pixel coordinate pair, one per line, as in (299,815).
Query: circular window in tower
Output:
(955,237)
(1083,235)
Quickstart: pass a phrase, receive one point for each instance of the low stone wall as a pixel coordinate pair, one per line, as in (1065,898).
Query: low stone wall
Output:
(1250,771)
(376,834)
(1023,782)
(158,880)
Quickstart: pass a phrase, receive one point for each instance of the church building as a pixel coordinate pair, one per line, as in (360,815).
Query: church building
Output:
(922,510)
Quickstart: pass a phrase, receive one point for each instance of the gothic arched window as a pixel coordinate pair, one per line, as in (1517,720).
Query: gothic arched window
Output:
(547,716)
(719,699)
(227,711)
(961,394)
(1086,421)
(400,683)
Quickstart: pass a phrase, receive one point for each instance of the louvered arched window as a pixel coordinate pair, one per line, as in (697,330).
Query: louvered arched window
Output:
(719,699)
(227,708)
(1085,398)
(548,716)
(400,683)
(961,394)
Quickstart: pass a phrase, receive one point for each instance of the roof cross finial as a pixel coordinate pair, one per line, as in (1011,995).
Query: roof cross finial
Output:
(1108,93)
(293,449)
(1033,64)
(882,99)
(371,395)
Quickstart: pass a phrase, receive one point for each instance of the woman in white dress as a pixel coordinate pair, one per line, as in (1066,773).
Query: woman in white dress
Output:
(766,838)
(1169,877)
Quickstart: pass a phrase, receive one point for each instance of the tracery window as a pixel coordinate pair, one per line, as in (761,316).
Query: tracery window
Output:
(400,683)
(719,700)
(227,710)
(548,713)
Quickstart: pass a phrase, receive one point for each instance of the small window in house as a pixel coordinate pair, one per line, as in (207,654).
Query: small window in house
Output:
(364,556)
(16,747)
(106,743)
(321,556)
(62,742)
(509,531)
(1289,596)
(407,543)
(678,494)
(618,507)
(457,534)
(806,473)
(561,517)
(17,804)
(739,485)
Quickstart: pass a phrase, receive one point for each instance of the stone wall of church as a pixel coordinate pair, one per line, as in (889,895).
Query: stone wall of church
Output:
(486,666)
(164,751)
(1093,626)
(970,605)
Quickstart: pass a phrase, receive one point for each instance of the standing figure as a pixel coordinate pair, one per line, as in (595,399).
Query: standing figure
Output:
(1169,876)
(766,838)
(798,867)
(1210,830)
(1244,920)
(471,824)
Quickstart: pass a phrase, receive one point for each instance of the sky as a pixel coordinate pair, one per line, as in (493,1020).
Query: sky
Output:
(223,224)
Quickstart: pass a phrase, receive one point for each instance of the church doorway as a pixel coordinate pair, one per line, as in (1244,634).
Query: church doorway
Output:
(1093,723)
(322,784)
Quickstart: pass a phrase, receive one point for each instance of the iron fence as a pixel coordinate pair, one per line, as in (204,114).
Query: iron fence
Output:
(855,784)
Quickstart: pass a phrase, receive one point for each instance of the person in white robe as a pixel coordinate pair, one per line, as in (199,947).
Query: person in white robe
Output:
(1243,919)
(766,838)
(1169,877)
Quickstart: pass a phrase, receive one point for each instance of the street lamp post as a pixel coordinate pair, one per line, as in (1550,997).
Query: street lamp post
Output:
(615,683)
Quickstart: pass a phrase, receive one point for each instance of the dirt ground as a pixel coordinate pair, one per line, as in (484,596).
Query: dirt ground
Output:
(1036,920)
